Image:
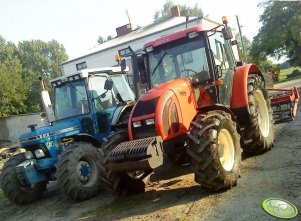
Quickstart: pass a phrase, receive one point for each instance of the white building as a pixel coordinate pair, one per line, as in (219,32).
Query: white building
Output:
(103,55)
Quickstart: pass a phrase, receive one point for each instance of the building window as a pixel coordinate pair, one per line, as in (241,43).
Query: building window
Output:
(81,66)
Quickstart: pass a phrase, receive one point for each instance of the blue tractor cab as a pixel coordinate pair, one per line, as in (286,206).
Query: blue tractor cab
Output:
(88,105)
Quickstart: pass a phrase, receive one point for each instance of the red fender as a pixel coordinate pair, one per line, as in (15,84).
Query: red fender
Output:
(239,89)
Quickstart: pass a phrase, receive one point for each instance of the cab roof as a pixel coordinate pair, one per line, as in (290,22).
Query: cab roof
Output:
(180,34)
(86,72)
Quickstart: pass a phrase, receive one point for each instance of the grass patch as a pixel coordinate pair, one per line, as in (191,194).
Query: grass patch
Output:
(120,205)
(285,72)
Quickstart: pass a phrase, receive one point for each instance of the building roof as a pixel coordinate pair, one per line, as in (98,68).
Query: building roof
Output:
(138,34)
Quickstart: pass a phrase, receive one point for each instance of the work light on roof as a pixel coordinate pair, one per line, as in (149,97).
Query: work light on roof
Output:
(76,77)
(149,49)
(192,34)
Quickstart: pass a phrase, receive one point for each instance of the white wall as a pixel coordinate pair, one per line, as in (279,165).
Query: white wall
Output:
(12,127)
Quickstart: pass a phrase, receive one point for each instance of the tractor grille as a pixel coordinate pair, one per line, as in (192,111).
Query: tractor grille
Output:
(145,107)
(144,131)
(41,146)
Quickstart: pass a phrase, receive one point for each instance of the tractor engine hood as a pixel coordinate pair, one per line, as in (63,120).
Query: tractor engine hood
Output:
(50,132)
(164,111)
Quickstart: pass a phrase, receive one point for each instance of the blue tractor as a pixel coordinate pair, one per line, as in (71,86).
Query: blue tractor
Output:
(88,106)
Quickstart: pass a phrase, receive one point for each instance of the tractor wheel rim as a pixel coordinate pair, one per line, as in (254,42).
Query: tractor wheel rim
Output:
(263,114)
(84,171)
(226,149)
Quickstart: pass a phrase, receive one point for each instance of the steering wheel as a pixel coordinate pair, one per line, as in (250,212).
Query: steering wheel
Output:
(187,70)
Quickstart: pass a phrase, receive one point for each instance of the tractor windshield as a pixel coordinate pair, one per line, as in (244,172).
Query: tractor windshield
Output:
(104,99)
(181,58)
(70,100)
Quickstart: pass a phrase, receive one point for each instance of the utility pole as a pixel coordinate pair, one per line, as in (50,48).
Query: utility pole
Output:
(241,40)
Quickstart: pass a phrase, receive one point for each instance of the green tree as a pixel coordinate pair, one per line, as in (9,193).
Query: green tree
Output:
(184,10)
(12,88)
(101,39)
(280,32)
(247,46)
(39,59)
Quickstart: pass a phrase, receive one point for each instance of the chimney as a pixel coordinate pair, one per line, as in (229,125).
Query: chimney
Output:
(175,11)
(122,30)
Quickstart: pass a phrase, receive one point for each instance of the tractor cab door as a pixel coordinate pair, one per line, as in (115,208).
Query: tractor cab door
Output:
(103,105)
(223,62)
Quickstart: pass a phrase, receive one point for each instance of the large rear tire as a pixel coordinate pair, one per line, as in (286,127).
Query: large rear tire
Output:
(122,183)
(11,186)
(78,171)
(214,150)
(259,130)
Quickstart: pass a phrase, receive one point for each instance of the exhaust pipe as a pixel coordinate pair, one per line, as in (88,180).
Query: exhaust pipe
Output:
(46,102)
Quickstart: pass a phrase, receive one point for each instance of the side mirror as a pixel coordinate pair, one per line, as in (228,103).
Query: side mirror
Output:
(123,64)
(108,85)
(227,33)
(200,78)
(218,71)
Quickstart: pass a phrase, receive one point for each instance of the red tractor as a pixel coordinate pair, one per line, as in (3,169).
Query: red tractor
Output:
(203,109)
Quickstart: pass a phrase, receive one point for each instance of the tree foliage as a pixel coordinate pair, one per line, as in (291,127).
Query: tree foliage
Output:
(244,55)
(184,10)
(39,59)
(280,34)
(12,88)
(20,68)
(101,39)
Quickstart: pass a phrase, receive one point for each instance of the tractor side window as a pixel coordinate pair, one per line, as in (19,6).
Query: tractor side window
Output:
(165,70)
(71,100)
(103,99)
(193,62)
(217,46)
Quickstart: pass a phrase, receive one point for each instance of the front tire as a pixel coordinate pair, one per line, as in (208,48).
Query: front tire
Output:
(11,186)
(78,171)
(214,150)
(259,128)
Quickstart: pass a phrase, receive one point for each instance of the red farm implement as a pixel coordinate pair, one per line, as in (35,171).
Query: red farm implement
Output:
(284,103)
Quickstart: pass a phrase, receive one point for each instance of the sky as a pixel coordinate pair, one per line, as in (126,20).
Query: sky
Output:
(76,24)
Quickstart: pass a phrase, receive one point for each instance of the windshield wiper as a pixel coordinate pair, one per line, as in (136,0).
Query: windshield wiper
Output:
(159,62)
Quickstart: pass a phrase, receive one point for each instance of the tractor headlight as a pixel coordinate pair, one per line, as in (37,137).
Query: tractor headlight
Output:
(39,153)
(136,124)
(28,155)
(150,121)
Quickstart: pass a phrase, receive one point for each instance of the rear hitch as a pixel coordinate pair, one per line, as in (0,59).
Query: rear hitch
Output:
(137,155)
(284,103)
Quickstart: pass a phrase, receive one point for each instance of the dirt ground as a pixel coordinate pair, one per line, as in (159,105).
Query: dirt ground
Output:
(276,173)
